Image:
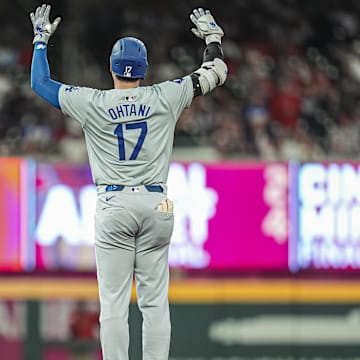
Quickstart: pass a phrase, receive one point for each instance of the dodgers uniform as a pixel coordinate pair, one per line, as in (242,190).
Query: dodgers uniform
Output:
(129,137)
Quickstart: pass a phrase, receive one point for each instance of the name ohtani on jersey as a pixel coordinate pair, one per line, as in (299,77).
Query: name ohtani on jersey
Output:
(129,110)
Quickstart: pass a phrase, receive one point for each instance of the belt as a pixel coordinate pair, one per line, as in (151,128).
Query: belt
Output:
(150,188)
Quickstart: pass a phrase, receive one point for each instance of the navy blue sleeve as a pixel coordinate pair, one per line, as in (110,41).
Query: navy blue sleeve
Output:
(41,81)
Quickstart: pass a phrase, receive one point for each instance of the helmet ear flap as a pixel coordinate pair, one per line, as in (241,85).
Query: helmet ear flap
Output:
(129,58)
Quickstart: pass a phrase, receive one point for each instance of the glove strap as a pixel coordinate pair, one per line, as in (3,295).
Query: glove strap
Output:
(213,38)
(41,37)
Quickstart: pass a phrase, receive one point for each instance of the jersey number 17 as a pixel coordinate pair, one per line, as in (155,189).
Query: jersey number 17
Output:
(119,132)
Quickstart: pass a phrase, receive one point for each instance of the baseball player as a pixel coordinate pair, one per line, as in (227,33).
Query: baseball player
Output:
(129,134)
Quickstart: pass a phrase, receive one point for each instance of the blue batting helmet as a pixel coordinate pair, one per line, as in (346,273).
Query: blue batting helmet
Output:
(129,58)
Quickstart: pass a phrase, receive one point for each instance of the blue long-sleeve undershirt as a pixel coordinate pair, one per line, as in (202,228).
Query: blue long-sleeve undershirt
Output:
(41,81)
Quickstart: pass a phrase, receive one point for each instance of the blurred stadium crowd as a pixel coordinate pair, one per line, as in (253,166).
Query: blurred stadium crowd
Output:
(293,91)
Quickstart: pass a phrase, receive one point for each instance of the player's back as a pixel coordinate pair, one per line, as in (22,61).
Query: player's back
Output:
(129,132)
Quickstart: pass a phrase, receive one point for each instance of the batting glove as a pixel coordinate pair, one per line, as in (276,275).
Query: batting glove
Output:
(206,26)
(165,206)
(43,28)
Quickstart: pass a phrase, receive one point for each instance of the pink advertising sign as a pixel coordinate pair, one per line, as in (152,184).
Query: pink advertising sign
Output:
(227,216)
(250,229)
(230,216)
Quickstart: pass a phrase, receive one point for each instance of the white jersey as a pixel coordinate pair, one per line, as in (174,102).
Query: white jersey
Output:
(129,132)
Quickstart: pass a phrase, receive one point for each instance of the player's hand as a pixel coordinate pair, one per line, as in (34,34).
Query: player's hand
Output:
(42,26)
(206,27)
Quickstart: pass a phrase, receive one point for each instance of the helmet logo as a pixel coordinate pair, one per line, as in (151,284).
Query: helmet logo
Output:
(127,72)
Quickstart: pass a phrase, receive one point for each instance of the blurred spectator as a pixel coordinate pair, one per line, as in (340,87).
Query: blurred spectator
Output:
(285,104)
(262,142)
(72,145)
(228,136)
(345,137)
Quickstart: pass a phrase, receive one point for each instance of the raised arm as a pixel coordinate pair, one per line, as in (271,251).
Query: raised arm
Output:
(213,71)
(41,81)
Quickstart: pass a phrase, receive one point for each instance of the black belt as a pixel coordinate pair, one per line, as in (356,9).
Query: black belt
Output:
(150,188)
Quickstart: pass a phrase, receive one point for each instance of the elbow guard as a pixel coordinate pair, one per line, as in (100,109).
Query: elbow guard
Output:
(211,74)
